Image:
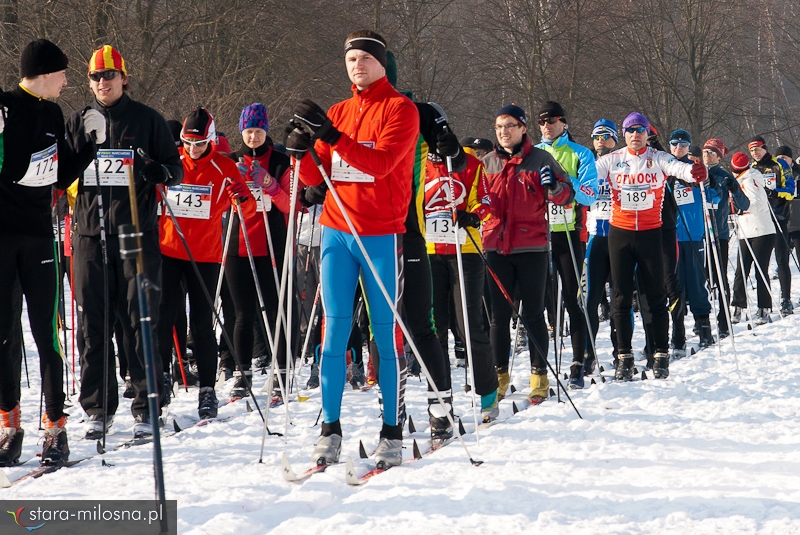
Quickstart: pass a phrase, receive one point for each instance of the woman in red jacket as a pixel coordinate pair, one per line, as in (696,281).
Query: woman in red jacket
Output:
(266,172)
(210,182)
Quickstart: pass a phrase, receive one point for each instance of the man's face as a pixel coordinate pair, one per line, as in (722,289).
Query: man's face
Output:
(509,131)
(362,68)
(603,141)
(107,92)
(678,148)
(636,137)
(254,137)
(552,127)
(710,157)
(53,83)
(758,152)
(195,150)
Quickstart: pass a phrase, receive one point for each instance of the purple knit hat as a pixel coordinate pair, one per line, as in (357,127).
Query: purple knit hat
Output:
(635,118)
(254,116)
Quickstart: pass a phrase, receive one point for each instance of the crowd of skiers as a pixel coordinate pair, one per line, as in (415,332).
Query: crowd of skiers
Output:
(399,233)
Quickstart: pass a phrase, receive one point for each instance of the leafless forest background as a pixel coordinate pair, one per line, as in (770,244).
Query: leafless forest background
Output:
(725,69)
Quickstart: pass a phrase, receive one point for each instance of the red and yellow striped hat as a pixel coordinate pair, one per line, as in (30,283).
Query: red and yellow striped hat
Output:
(106,57)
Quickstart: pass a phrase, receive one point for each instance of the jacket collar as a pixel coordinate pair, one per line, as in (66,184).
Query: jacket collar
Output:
(378,89)
(519,152)
(115,110)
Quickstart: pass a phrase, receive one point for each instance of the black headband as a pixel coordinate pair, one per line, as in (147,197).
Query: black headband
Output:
(369,45)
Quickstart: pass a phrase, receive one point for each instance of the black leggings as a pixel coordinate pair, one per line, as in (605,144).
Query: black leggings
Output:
(638,251)
(528,273)
(32,259)
(598,271)
(762,248)
(782,253)
(239,276)
(562,260)
(201,317)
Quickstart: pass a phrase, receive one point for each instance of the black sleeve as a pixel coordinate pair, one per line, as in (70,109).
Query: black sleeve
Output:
(71,163)
(164,151)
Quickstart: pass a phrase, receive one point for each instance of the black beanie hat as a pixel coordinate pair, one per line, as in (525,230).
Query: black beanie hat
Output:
(551,109)
(784,150)
(41,57)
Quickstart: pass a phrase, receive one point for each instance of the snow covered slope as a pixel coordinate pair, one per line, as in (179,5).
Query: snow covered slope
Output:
(706,451)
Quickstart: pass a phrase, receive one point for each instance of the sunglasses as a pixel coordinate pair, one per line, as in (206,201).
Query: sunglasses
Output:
(601,137)
(709,152)
(195,143)
(105,75)
(637,129)
(549,120)
(676,143)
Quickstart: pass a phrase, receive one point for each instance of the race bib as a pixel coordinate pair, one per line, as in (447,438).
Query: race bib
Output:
(601,207)
(770,181)
(113,168)
(439,228)
(343,172)
(263,202)
(636,197)
(683,195)
(190,201)
(42,169)
(557,213)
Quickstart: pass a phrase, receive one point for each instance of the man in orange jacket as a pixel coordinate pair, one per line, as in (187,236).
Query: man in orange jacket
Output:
(366,145)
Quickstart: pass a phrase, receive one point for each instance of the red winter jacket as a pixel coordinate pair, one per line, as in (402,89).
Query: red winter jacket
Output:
(204,236)
(380,128)
(277,165)
(518,223)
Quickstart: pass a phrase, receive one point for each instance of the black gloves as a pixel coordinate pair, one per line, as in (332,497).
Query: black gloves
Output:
(312,195)
(154,173)
(467,219)
(297,142)
(730,184)
(447,145)
(316,120)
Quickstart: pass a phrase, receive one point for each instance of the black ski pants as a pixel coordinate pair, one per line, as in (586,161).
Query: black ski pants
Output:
(782,253)
(564,266)
(239,277)
(598,271)
(123,306)
(528,273)
(762,248)
(638,253)
(447,292)
(29,264)
(173,304)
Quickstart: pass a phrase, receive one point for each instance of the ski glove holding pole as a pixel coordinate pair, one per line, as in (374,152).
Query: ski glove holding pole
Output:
(312,195)
(546,177)
(258,175)
(699,172)
(447,144)
(153,172)
(297,141)
(467,219)
(314,118)
(94,125)
(237,191)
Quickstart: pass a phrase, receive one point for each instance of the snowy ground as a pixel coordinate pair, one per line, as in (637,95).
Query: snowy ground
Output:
(706,451)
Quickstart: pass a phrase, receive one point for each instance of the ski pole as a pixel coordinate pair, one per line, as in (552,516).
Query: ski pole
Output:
(179,354)
(463,291)
(552,281)
(104,250)
(745,276)
(386,296)
(222,266)
(130,238)
(783,236)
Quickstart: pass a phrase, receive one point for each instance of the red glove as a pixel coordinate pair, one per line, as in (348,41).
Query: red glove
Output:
(699,172)
(237,191)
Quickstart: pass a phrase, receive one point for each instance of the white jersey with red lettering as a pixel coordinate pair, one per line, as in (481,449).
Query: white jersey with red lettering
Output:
(637,185)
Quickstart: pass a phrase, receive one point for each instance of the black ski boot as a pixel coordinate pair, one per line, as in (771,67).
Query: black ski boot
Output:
(313,381)
(624,367)
(358,380)
(661,365)
(55,450)
(207,403)
(576,375)
(706,338)
(11,446)
(786,307)
(243,379)
(129,392)
(437,414)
